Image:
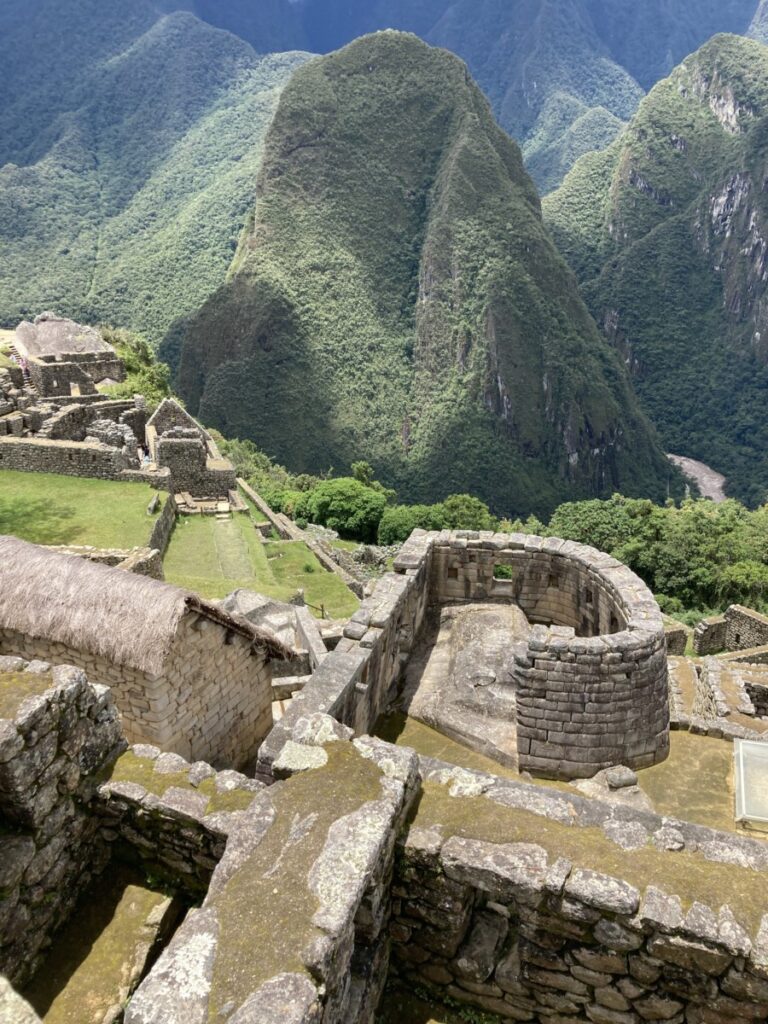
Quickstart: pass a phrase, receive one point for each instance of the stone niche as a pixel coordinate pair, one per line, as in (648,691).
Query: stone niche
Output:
(591,680)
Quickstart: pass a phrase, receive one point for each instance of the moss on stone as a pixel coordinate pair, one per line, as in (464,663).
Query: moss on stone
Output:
(141,771)
(15,687)
(695,783)
(687,875)
(99,952)
(272,885)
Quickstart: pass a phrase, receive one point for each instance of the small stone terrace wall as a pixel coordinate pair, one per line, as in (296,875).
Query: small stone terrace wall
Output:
(294,926)
(56,733)
(161,532)
(584,702)
(491,911)
(67,458)
(709,636)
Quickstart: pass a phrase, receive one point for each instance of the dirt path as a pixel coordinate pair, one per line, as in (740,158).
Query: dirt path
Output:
(710,483)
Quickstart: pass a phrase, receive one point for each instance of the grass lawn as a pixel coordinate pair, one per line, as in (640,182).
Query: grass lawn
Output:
(214,557)
(345,545)
(48,509)
(6,337)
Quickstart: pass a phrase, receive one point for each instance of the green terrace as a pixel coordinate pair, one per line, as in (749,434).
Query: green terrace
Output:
(44,508)
(216,556)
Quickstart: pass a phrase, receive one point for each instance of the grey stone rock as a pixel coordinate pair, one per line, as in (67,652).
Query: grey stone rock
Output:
(661,911)
(146,750)
(287,999)
(731,934)
(318,729)
(668,838)
(512,871)
(620,777)
(616,937)
(199,772)
(341,873)
(177,989)
(170,764)
(602,892)
(14,1009)
(295,758)
(477,956)
(184,802)
(629,835)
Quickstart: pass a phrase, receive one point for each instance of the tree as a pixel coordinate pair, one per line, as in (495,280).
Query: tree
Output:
(463,512)
(399,521)
(344,505)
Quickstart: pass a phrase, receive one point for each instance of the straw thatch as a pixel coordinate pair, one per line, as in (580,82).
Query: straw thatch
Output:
(126,619)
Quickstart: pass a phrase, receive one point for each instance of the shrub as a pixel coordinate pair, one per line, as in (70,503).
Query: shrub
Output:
(399,521)
(344,505)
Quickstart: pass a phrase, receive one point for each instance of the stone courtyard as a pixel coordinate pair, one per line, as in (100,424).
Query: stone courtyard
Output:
(530,847)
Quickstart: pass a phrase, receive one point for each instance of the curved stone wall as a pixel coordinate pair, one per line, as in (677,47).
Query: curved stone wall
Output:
(592,687)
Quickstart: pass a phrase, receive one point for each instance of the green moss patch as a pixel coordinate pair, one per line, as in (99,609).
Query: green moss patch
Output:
(684,874)
(94,956)
(141,770)
(15,687)
(695,783)
(265,912)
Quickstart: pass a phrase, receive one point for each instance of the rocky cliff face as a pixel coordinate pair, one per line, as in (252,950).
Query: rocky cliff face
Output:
(671,247)
(396,297)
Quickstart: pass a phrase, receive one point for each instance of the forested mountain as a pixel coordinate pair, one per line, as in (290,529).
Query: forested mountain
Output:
(129,147)
(668,233)
(563,76)
(397,298)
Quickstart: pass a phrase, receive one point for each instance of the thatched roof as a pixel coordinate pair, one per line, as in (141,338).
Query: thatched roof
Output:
(127,619)
(52,335)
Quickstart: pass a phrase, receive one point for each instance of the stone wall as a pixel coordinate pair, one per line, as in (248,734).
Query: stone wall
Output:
(523,920)
(709,636)
(67,458)
(72,421)
(142,561)
(745,628)
(171,817)
(584,702)
(219,693)
(56,732)
(676,635)
(191,470)
(294,926)
(58,380)
(161,532)
(212,702)
(356,681)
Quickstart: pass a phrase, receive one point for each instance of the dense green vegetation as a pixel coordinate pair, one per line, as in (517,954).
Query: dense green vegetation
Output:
(397,295)
(562,75)
(698,557)
(127,203)
(44,508)
(667,232)
(144,373)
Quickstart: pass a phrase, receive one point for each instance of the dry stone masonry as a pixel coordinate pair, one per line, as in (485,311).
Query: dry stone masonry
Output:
(591,682)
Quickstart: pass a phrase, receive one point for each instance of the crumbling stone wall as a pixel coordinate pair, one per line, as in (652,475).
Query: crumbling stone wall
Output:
(212,701)
(56,732)
(71,423)
(160,537)
(355,682)
(56,379)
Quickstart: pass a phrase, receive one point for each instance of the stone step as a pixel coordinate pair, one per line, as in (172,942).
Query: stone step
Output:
(284,687)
